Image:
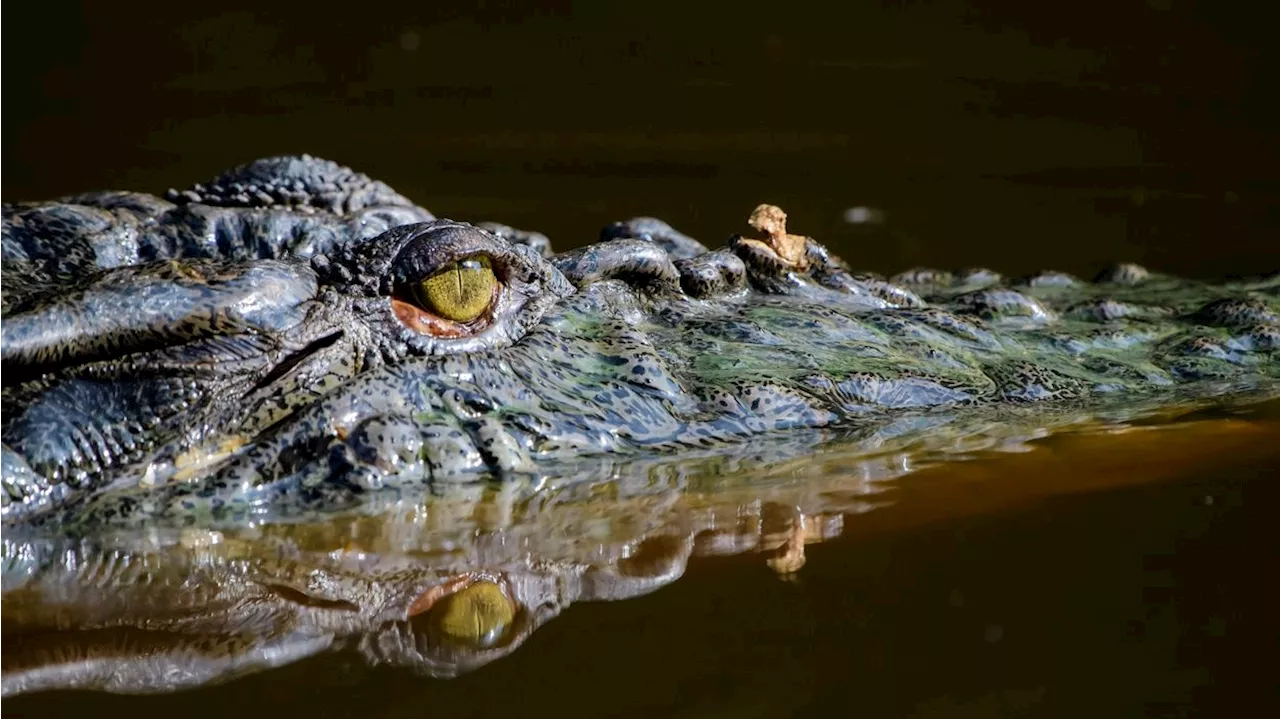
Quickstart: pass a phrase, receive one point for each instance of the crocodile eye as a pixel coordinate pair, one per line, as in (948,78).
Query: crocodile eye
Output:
(450,287)
(476,616)
(460,292)
(456,299)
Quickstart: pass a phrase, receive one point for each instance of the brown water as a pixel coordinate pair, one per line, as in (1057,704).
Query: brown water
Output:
(1110,573)
(1123,569)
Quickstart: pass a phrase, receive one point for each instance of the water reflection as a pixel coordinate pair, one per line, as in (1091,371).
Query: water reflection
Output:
(167,612)
(452,582)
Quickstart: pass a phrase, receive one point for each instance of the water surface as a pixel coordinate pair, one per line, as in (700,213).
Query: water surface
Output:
(1120,568)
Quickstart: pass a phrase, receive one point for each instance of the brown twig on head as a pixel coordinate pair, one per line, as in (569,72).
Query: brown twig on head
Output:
(772,221)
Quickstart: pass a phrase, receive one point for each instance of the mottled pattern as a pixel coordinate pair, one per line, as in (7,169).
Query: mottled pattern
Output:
(255,374)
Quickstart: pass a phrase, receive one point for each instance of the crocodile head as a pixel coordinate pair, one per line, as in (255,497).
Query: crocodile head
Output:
(159,367)
(440,351)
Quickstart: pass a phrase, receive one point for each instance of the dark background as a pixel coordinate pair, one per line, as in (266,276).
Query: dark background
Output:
(1003,133)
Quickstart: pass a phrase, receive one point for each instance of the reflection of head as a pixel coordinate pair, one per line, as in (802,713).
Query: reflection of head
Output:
(485,574)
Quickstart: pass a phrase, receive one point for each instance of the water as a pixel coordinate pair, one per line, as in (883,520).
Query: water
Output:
(1114,570)
(1116,567)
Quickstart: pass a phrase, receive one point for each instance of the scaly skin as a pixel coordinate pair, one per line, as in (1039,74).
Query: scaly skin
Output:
(160,366)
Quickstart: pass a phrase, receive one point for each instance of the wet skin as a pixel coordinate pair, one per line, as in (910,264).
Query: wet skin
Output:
(294,337)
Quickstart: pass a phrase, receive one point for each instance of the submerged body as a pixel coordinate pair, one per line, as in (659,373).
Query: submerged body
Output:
(321,340)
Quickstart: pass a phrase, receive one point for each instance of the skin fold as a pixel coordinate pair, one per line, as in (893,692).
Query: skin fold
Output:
(278,343)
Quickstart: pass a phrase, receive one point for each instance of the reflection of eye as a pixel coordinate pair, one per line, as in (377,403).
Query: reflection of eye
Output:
(460,292)
(477,615)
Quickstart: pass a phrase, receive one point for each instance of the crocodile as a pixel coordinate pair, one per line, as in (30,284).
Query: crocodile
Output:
(294,337)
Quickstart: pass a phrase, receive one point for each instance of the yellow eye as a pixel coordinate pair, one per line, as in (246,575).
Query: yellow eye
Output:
(460,292)
(477,615)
